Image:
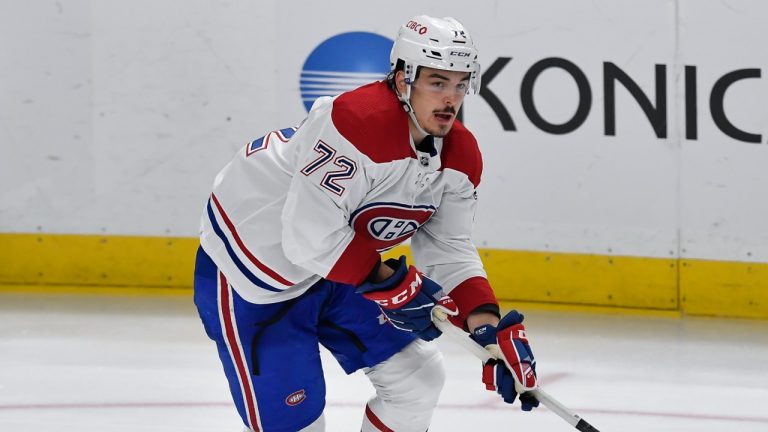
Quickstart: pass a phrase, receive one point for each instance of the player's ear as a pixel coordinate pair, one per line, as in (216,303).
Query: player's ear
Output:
(400,82)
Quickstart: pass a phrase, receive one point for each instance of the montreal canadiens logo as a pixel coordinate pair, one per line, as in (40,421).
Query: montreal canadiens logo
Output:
(295,398)
(385,228)
(389,224)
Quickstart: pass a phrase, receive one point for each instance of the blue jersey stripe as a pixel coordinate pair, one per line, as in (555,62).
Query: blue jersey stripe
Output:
(288,132)
(232,255)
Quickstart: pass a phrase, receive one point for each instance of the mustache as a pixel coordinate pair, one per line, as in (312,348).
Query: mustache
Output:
(446,110)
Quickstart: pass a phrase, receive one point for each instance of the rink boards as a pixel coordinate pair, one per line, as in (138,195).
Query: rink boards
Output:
(624,142)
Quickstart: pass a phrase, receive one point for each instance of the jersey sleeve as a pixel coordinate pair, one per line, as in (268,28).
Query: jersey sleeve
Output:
(444,251)
(329,181)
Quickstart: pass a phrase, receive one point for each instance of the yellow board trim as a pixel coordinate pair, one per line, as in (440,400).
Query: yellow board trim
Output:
(96,290)
(588,280)
(719,288)
(63,259)
(636,282)
(555,281)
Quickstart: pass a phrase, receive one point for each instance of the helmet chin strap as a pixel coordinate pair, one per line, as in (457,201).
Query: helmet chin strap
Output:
(406,102)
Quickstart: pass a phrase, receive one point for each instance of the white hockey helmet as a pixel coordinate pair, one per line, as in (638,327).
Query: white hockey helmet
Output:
(439,43)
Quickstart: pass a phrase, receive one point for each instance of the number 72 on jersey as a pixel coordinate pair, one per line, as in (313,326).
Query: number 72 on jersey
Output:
(347,167)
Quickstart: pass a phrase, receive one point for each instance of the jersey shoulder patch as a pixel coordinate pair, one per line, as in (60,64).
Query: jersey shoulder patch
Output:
(372,119)
(461,153)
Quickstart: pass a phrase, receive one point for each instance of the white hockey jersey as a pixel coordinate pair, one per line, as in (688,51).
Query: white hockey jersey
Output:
(324,199)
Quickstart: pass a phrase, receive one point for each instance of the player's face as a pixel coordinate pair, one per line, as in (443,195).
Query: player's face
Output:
(436,97)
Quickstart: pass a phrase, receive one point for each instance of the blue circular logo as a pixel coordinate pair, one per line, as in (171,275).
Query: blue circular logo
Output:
(342,63)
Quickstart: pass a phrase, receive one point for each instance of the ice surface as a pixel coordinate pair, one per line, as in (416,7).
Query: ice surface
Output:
(85,363)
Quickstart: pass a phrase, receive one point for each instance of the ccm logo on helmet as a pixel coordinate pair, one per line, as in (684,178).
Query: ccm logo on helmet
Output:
(295,398)
(413,25)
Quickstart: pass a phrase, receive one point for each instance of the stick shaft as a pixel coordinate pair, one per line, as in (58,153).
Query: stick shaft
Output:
(470,345)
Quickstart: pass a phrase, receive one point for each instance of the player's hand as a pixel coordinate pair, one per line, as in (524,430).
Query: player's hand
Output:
(407,298)
(514,369)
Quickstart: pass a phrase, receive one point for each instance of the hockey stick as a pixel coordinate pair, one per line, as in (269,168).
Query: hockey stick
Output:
(440,319)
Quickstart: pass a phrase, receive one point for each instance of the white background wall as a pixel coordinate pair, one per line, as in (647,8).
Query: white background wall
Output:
(115,116)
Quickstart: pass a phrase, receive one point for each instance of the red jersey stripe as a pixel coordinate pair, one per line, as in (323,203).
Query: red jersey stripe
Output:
(271,273)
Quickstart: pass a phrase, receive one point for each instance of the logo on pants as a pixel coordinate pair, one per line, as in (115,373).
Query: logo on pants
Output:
(295,398)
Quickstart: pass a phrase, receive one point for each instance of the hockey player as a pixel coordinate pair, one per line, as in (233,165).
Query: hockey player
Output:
(291,239)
